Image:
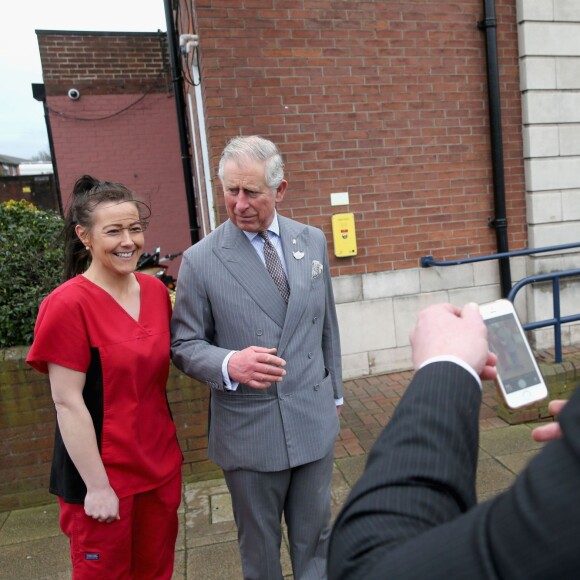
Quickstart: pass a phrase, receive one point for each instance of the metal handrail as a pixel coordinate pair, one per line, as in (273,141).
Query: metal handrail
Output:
(428,261)
(557,320)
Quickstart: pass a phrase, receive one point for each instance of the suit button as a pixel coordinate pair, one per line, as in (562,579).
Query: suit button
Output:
(316,387)
(259,332)
(315,320)
(310,355)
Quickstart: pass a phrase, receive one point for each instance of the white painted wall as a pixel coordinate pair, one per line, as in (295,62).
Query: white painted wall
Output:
(376,312)
(35,168)
(549,45)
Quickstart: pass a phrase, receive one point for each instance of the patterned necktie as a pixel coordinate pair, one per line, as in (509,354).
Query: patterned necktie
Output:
(274,266)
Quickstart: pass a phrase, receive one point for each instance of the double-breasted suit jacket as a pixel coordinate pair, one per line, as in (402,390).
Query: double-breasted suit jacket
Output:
(228,301)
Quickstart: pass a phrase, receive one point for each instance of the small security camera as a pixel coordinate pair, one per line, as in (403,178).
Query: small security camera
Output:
(74,94)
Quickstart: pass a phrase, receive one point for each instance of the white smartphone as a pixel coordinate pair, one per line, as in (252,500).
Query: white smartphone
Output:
(519,380)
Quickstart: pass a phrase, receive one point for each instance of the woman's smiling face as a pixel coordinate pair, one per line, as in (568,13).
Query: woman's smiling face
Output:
(115,237)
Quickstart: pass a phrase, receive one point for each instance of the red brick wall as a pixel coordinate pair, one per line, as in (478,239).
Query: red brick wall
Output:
(123,127)
(385,100)
(105,62)
(27,432)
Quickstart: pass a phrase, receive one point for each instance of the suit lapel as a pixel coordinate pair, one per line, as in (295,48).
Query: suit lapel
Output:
(240,258)
(242,261)
(299,274)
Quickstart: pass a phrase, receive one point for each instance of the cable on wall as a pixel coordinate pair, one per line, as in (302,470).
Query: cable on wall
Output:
(110,116)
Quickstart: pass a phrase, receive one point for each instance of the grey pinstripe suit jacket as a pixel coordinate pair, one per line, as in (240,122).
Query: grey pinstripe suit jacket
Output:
(226,300)
(413,513)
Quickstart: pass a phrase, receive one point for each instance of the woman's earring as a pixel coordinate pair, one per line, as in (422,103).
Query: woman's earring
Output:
(87,248)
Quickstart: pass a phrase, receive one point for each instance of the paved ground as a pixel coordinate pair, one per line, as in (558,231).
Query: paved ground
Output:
(33,548)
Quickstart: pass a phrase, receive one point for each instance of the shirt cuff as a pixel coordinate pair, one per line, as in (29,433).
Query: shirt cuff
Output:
(339,402)
(228,383)
(457,361)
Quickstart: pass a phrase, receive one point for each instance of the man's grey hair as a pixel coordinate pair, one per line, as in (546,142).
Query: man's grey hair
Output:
(255,148)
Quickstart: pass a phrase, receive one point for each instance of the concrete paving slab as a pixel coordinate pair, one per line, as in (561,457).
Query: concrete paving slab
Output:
(199,529)
(223,562)
(483,454)
(209,563)
(180,542)
(351,467)
(198,540)
(45,558)
(221,508)
(516,462)
(179,570)
(30,524)
(340,491)
(492,477)
(508,440)
(284,558)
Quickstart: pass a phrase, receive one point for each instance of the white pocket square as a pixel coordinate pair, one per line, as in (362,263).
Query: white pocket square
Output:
(317,268)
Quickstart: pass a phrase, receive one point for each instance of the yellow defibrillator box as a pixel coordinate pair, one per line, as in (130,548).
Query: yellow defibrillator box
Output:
(344,235)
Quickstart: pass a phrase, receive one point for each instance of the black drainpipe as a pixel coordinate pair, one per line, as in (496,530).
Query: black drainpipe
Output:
(499,222)
(39,94)
(181,124)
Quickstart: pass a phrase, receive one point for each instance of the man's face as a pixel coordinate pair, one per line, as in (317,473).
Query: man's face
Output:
(250,203)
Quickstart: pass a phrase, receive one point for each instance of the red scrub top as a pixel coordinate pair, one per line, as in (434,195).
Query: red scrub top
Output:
(82,327)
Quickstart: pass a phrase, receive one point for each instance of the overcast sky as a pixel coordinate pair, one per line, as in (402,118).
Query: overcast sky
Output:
(22,125)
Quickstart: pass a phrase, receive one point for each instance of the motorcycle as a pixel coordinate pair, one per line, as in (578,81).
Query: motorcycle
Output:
(154,264)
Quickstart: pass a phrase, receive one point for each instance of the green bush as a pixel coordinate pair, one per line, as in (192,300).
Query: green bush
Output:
(31,266)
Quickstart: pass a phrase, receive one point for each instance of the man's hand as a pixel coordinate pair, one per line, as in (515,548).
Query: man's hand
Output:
(256,367)
(446,330)
(550,431)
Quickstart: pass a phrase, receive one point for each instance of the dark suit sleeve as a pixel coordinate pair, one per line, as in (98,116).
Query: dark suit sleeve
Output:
(412,515)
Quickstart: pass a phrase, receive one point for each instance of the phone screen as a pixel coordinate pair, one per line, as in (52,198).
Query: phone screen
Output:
(514,364)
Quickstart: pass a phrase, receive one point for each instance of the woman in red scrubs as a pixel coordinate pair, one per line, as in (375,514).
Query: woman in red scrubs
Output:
(103,339)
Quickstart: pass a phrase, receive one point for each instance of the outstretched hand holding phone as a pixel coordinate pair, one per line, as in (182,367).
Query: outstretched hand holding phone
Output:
(519,379)
(449,331)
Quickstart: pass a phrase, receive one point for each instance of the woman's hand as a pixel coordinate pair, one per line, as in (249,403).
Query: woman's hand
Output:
(102,505)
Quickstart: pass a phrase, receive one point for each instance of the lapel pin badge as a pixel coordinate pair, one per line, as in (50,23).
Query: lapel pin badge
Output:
(298,255)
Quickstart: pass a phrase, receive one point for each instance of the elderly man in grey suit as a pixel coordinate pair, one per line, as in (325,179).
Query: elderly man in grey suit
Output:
(255,320)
